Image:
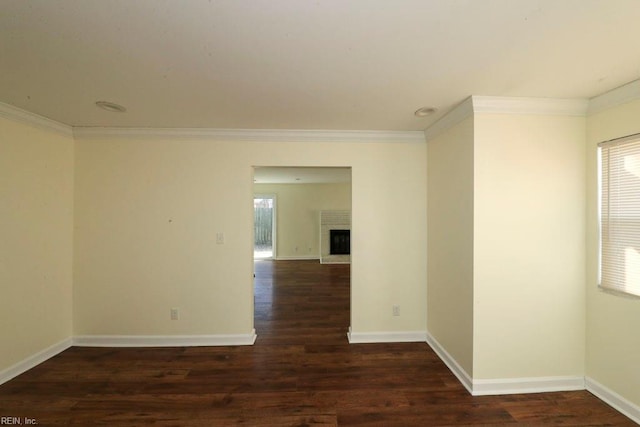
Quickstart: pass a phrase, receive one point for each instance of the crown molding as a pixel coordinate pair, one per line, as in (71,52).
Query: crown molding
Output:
(471,105)
(613,98)
(252,135)
(506,105)
(534,106)
(19,115)
(450,119)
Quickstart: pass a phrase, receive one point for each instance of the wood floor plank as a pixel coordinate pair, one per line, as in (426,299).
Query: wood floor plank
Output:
(300,372)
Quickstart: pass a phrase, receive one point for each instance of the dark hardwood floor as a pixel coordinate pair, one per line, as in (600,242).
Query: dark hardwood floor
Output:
(300,372)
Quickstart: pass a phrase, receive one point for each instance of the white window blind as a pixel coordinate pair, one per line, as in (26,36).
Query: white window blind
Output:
(620,215)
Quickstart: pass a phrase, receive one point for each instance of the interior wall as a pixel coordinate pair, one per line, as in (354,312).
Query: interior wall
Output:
(450,244)
(36,207)
(298,214)
(529,257)
(148,210)
(147,215)
(388,235)
(613,342)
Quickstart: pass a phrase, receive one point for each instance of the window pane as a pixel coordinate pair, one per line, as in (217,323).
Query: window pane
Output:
(620,215)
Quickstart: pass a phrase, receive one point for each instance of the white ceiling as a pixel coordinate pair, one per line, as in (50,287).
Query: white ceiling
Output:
(305,64)
(301,175)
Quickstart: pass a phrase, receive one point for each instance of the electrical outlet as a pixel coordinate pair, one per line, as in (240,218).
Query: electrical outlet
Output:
(396,310)
(175,314)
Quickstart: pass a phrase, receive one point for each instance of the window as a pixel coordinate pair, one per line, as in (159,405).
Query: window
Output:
(619,181)
(264,208)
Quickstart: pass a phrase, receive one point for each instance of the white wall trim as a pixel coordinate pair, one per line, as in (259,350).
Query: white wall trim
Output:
(612,398)
(615,97)
(297,257)
(384,337)
(452,364)
(504,385)
(14,113)
(163,340)
(527,385)
(450,119)
(34,360)
(253,135)
(506,105)
(533,106)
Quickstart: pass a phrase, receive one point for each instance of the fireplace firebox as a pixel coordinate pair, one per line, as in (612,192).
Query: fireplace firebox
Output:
(340,242)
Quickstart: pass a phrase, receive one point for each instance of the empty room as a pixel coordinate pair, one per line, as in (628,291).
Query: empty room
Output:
(328,212)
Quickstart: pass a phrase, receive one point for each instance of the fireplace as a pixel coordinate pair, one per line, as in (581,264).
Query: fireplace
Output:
(335,237)
(339,242)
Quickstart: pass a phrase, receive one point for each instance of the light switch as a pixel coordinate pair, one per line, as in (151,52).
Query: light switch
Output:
(220,238)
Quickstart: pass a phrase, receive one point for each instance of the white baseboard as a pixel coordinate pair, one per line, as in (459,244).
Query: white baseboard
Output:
(457,370)
(526,385)
(34,360)
(125,341)
(297,257)
(164,340)
(382,337)
(504,385)
(609,396)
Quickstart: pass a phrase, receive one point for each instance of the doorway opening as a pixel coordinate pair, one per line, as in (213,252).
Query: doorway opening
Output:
(264,208)
(288,280)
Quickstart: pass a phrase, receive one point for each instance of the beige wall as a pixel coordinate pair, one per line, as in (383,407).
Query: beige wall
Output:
(148,210)
(147,214)
(612,321)
(36,228)
(450,242)
(388,225)
(298,214)
(529,259)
